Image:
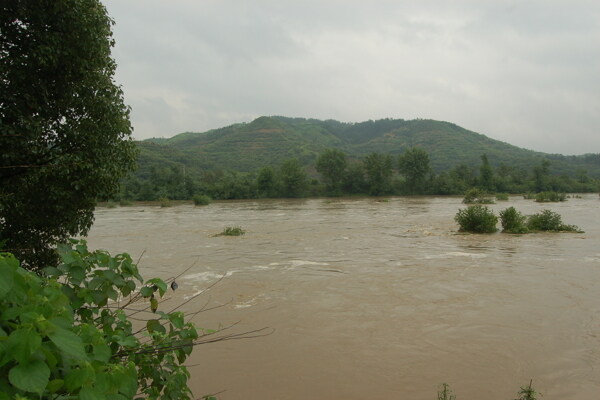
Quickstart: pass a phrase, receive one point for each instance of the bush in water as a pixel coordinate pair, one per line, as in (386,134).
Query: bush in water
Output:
(513,221)
(476,219)
(547,220)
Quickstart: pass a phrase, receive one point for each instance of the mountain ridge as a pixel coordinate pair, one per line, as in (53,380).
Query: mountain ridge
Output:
(269,140)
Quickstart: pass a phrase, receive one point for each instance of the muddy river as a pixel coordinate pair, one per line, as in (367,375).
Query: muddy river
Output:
(376,298)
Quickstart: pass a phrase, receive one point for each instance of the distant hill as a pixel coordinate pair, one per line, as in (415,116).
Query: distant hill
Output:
(271,140)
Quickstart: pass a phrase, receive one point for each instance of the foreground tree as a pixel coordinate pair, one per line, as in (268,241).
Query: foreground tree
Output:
(64,128)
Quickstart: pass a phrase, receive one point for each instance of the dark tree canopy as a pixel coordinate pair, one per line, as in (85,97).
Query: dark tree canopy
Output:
(64,128)
(414,165)
(332,163)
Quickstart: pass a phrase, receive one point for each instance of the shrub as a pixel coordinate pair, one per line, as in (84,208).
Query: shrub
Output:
(476,196)
(66,336)
(124,203)
(232,231)
(513,221)
(547,220)
(527,392)
(502,196)
(547,197)
(202,200)
(444,393)
(111,204)
(164,202)
(476,219)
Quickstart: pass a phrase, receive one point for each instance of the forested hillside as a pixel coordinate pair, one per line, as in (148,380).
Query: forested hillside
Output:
(292,157)
(271,140)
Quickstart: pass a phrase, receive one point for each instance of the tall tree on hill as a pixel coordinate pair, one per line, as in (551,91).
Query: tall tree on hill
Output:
(332,165)
(64,128)
(414,165)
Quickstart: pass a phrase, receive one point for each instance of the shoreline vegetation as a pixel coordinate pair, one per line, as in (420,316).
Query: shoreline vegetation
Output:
(336,174)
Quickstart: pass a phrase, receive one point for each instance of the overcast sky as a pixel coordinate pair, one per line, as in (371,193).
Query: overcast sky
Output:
(524,72)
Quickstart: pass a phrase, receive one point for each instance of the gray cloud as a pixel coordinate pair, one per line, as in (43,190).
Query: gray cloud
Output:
(524,72)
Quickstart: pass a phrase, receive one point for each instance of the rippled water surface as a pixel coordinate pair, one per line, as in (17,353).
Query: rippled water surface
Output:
(377,299)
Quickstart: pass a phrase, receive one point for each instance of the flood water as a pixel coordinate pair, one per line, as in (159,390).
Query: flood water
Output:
(371,299)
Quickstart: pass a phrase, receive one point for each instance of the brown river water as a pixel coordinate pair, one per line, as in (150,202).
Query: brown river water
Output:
(369,299)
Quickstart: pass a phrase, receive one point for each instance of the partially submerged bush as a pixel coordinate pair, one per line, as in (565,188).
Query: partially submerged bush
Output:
(202,200)
(164,202)
(549,221)
(476,196)
(232,231)
(502,196)
(547,197)
(444,392)
(476,219)
(513,221)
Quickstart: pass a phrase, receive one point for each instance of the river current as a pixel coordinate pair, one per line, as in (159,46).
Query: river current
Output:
(370,298)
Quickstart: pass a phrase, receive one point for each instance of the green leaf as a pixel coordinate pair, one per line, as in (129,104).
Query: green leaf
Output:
(89,393)
(30,377)
(146,291)
(76,378)
(129,384)
(8,266)
(69,343)
(154,325)
(54,385)
(162,286)
(153,304)
(176,319)
(101,352)
(22,343)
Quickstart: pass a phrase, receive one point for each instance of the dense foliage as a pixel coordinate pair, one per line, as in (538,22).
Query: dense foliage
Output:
(513,221)
(67,334)
(341,174)
(64,129)
(476,219)
(246,147)
(547,220)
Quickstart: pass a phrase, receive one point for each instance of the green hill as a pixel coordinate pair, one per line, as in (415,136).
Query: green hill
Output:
(271,140)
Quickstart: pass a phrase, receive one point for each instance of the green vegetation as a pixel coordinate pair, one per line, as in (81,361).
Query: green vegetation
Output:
(378,170)
(502,196)
(246,147)
(549,221)
(232,231)
(65,129)
(67,334)
(202,200)
(513,221)
(414,165)
(444,393)
(331,164)
(476,219)
(546,197)
(477,196)
(164,202)
(526,393)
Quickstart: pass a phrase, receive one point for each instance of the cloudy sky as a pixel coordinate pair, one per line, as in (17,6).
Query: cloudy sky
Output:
(524,72)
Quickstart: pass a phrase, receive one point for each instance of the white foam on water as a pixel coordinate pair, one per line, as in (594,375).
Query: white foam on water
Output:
(456,254)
